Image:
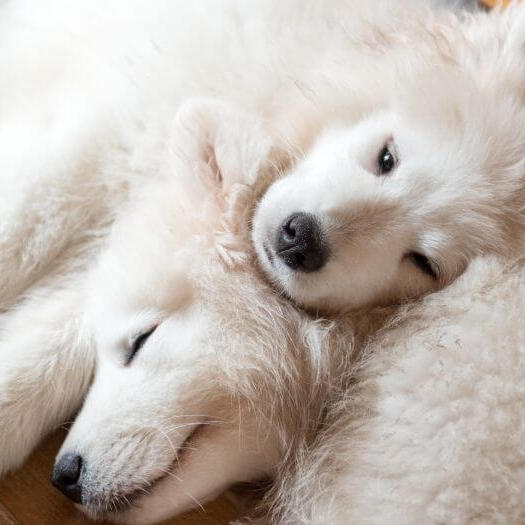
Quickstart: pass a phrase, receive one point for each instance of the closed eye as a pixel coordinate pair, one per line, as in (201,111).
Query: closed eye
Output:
(138,343)
(424,264)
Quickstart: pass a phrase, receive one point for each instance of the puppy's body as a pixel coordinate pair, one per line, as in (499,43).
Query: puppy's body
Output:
(431,432)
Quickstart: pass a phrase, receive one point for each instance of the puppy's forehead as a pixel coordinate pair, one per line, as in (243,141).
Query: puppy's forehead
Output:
(124,287)
(151,261)
(451,103)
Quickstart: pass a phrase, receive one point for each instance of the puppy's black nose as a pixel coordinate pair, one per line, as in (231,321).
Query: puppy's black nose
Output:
(299,243)
(66,476)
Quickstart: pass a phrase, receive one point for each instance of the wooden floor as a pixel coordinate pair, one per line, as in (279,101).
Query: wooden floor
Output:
(27,497)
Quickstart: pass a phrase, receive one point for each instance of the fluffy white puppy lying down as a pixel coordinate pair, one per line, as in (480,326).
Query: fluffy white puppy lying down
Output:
(399,203)
(187,350)
(93,108)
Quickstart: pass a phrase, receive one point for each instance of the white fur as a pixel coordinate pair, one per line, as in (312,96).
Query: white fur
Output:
(432,431)
(234,383)
(457,190)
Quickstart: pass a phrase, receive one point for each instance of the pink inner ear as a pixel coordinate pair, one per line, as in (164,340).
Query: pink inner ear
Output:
(232,238)
(226,145)
(214,166)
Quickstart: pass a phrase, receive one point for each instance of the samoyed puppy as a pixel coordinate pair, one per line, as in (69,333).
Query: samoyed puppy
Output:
(93,88)
(171,319)
(396,204)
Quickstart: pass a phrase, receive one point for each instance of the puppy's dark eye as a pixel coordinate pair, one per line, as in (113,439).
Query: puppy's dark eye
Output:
(138,343)
(424,264)
(386,160)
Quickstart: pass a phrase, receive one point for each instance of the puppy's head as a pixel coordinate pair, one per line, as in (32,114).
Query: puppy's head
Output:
(396,205)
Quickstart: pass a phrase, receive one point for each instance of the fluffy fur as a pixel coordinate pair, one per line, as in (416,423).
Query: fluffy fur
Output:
(432,430)
(456,190)
(133,212)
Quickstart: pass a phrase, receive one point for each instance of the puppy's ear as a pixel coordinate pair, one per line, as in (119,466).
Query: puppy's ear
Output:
(228,152)
(231,143)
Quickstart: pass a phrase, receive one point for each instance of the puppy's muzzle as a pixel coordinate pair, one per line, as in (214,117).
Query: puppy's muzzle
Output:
(299,243)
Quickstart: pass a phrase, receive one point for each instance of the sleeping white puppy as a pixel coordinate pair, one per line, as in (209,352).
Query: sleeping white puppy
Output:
(204,377)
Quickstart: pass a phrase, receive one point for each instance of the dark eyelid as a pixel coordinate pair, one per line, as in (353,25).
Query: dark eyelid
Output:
(424,264)
(138,343)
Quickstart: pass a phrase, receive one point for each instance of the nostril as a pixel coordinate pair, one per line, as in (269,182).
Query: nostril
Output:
(300,244)
(289,229)
(66,476)
(290,232)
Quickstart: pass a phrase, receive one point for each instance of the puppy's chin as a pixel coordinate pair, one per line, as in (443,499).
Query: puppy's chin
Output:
(294,286)
(310,291)
(318,295)
(170,498)
(215,460)
(284,281)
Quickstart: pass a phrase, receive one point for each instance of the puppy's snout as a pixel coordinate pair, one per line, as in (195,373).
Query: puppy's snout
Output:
(66,476)
(299,243)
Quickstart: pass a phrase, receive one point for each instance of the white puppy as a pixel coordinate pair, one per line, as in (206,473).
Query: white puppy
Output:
(398,204)
(192,353)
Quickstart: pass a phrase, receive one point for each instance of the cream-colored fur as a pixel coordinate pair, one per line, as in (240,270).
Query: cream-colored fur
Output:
(452,120)
(216,378)
(131,212)
(432,431)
